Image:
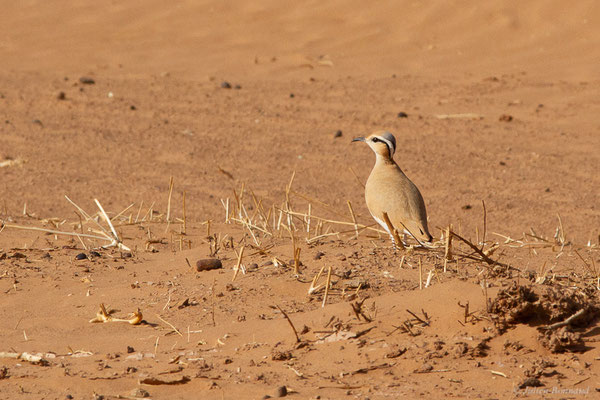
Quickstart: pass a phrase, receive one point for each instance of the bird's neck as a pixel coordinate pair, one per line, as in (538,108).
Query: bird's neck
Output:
(381,160)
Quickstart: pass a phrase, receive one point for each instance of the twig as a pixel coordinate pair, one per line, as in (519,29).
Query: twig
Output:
(290,322)
(417,318)
(475,248)
(566,321)
(171,325)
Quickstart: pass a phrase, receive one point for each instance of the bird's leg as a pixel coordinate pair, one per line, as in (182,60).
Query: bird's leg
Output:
(394,243)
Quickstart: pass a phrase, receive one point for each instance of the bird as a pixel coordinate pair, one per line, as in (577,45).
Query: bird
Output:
(389,190)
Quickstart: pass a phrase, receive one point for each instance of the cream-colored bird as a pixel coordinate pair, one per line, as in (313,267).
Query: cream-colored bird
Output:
(389,191)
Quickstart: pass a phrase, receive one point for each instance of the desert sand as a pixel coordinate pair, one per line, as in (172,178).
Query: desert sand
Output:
(222,130)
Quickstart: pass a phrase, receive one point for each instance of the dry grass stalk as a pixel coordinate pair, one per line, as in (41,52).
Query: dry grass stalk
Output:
(393,232)
(122,212)
(420,274)
(313,286)
(297,261)
(170,324)
(459,116)
(353,218)
(448,246)
(184,229)
(484,225)
(236,269)
(357,178)
(327,288)
(171,184)
(33,228)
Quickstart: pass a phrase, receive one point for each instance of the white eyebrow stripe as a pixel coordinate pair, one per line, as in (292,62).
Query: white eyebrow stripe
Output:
(389,144)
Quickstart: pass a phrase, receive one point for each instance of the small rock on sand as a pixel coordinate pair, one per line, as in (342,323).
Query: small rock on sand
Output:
(208,264)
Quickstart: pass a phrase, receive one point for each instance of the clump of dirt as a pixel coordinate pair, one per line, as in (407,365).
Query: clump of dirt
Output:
(556,312)
(515,305)
(561,340)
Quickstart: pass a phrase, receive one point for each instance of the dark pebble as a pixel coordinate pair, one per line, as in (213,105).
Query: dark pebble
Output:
(86,80)
(402,114)
(132,107)
(337,134)
(95,254)
(225,85)
(68,397)
(81,256)
(238,87)
(502,163)
(130,349)
(292,95)
(208,264)
(547,190)
(281,391)
(530,382)
(505,118)
(252,267)
(38,122)
(467,207)
(319,255)
(61,96)
(126,255)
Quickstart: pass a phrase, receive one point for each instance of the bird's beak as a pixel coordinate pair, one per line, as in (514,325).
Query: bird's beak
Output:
(359,139)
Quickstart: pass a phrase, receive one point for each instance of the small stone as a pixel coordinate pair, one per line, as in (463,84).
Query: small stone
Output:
(228,361)
(95,254)
(237,86)
(130,349)
(547,190)
(426,367)
(337,134)
(86,80)
(505,118)
(225,85)
(281,355)
(68,397)
(281,391)
(208,264)
(61,96)
(126,255)
(530,382)
(132,107)
(252,267)
(466,207)
(402,114)
(502,163)
(139,393)
(319,255)
(292,95)
(81,256)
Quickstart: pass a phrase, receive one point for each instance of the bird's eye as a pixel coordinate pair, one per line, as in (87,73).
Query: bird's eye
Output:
(375,140)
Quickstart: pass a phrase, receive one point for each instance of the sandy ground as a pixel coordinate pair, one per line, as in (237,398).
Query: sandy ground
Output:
(501,105)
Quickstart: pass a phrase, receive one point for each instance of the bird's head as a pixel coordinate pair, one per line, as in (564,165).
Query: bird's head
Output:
(382,143)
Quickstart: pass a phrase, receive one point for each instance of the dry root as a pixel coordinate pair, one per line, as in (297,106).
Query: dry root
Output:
(102,315)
